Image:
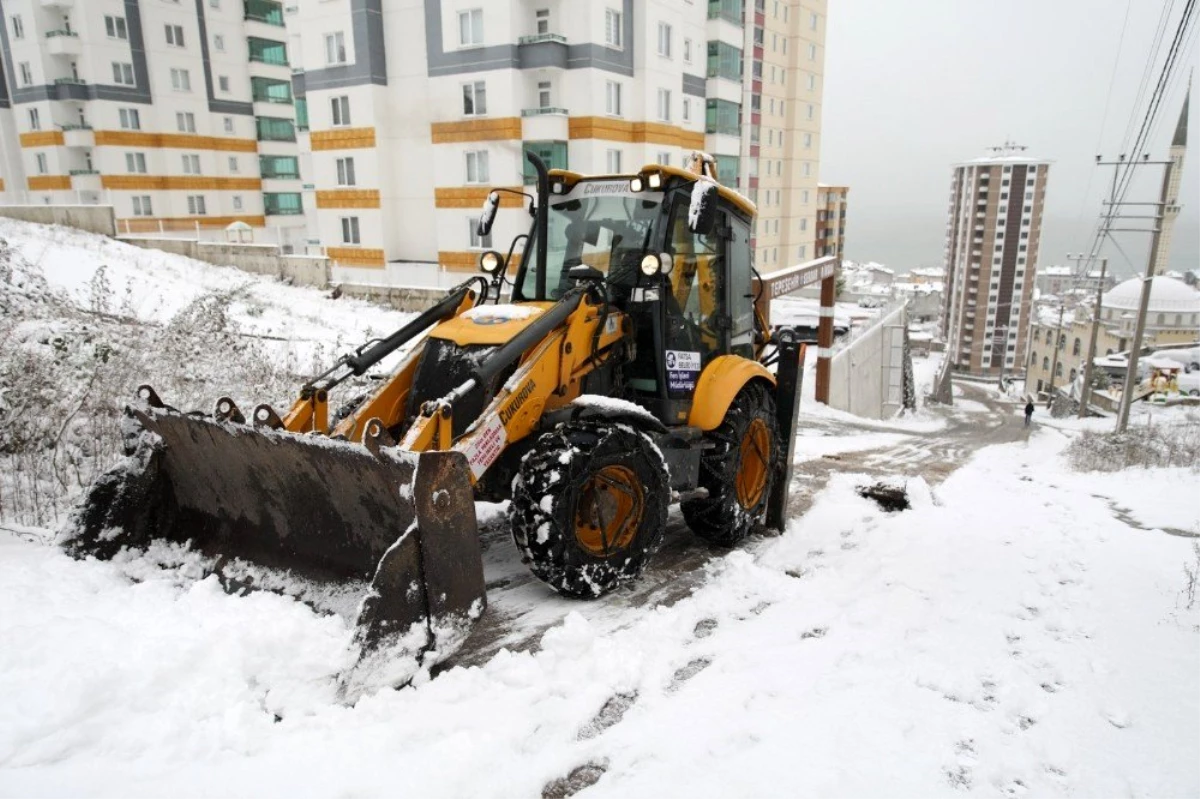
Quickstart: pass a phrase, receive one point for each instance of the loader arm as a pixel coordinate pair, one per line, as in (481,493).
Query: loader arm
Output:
(554,355)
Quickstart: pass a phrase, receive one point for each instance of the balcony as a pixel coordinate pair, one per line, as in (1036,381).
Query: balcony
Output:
(70,89)
(542,50)
(265,11)
(56,4)
(85,179)
(63,42)
(78,136)
(546,111)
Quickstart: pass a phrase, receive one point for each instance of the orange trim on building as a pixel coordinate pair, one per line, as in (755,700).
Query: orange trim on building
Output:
(342,139)
(178,183)
(348,198)
(476,130)
(49,183)
(356,256)
(472,197)
(176,141)
(152,224)
(42,138)
(619,130)
(460,260)
(1,184)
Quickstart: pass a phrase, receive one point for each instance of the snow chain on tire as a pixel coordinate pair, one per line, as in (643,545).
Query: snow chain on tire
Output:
(589,506)
(736,499)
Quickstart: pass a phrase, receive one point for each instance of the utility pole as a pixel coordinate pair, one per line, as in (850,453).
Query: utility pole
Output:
(1113,213)
(1086,393)
(1059,341)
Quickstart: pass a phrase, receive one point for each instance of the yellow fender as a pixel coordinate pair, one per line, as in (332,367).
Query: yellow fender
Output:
(719,383)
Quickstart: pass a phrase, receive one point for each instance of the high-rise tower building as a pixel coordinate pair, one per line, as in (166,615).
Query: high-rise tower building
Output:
(1170,190)
(418,107)
(992,239)
(175,112)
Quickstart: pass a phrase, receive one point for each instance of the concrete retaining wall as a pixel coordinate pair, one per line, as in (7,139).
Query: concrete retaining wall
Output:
(866,377)
(92,218)
(259,259)
(402,298)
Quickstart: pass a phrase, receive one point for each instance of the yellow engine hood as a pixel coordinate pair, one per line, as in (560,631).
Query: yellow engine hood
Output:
(490,324)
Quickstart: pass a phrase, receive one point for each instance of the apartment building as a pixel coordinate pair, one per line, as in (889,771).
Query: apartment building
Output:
(992,238)
(831,220)
(179,113)
(416,108)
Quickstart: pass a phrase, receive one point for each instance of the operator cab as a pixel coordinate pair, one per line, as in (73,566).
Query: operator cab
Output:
(681,275)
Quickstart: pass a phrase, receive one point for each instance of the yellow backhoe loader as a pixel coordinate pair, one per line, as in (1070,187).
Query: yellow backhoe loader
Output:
(628,370)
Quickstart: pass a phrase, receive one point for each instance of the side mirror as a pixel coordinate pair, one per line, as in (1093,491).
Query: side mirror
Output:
(488,215)
(702,214)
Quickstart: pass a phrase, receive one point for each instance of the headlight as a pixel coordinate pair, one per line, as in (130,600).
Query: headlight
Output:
(557,187)
(635,184)
(651,265)
(490,261)
(654,180)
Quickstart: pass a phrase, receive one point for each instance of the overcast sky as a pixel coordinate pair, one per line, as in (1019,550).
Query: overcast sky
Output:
(913,87)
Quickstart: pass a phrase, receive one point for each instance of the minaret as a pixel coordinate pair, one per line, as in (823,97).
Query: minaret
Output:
(1170,190)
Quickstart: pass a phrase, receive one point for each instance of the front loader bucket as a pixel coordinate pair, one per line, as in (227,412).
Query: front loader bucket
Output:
(309,515)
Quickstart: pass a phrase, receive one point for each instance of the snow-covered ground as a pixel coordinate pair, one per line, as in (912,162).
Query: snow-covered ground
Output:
(1008,635)
(1023,630)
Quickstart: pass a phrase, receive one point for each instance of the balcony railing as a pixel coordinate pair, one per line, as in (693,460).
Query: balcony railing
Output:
(57,33)
(70,82)
(74,172)
(548,110)
(538,38)
(80,126)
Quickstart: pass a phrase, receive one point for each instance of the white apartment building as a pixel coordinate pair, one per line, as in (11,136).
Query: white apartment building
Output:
(178,113)
(416,108)
(992,239)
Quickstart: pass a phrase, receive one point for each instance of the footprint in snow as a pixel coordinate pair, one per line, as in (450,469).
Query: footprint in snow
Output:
(1117,717)
(815,632)
(613,711)
(685,673)
(704,628)
(580,777)
(1015,788)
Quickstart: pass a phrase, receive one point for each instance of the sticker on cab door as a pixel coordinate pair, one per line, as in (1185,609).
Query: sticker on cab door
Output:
(682,369)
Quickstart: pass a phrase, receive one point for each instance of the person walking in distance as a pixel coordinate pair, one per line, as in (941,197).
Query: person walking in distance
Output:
(1028,412)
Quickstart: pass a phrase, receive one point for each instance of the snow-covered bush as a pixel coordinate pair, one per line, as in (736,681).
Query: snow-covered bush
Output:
(1148,446)
(67,367)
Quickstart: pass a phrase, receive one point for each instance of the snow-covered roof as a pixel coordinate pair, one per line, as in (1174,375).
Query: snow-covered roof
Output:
(1166,295)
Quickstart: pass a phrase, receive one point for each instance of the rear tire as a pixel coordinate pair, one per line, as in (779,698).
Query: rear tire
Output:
(739,471)
(589,506)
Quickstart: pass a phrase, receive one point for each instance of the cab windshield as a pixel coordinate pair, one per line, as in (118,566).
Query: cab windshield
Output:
(600,223)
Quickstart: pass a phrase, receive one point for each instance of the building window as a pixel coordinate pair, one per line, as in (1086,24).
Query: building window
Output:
(542,17)
(664,40)
(340,110)
(345,172)
(42,168)
(687,51)
(181,80)
(553,153)
(350,233)
(335,48)
(175,35)
(282,203)
(191,164)
(687,109)
(612,97)
(722,116)
(664,105)
(35,119)
(233,164)
(135,162)
(812,52)
(116,28)
(229,124)
(131,119)
(477,166)
(237,202)
(196,206)
(141,206)
(803,224)
(279,166)
(223,83)
(664,158)
(27,74)
(612,27)
(477,242)
(185,121)
(475,99)
(470,28)
(18,27)
(218,43)
(614,162)
(810,111)
(807,141)
(544,94)
(812,22)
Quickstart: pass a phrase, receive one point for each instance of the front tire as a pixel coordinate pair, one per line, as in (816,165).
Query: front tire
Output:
(738,471)
(589,507)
